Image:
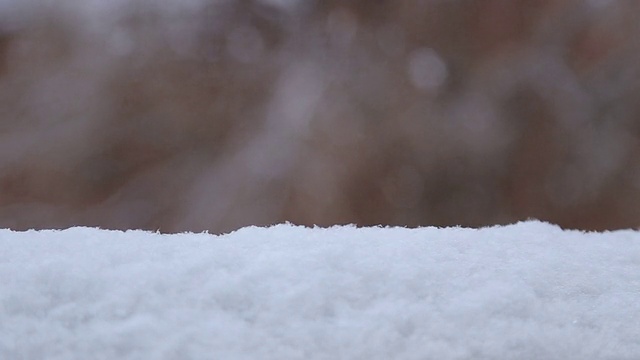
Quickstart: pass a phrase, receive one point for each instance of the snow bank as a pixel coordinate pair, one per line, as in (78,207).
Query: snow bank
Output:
(526,291)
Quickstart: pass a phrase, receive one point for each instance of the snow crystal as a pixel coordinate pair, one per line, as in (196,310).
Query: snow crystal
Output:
(525,291)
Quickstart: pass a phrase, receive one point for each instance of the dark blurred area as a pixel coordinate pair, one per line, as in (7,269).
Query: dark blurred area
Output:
(212,115)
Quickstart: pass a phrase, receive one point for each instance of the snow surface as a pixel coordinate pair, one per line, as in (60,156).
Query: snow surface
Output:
(525,291)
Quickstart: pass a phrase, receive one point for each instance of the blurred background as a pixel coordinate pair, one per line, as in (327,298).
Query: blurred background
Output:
(191,115)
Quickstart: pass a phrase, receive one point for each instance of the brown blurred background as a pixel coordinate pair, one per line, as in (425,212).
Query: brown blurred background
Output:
(211,115)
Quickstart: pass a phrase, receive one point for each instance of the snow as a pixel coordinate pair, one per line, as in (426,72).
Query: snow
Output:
(524,291)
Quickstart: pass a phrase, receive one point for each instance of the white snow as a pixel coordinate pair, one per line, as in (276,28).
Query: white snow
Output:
(525,291)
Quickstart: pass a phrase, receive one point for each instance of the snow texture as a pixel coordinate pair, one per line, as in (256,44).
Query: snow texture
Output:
(525,291)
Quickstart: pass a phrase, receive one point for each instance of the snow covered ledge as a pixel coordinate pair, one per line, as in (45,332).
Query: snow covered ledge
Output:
(525,291)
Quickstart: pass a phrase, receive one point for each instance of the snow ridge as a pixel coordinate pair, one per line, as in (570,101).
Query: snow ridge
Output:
(525,291)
